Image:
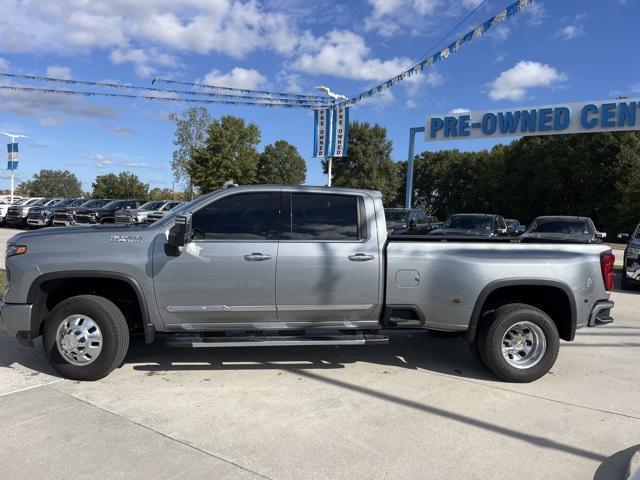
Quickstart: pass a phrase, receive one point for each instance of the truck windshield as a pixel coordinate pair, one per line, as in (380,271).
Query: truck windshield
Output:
(152,206)
(395,215)
(560,225)
(468,222)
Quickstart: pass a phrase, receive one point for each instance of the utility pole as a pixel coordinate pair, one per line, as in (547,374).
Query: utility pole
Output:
(13,156)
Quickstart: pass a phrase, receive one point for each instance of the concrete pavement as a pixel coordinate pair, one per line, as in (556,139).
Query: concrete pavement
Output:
(420,407)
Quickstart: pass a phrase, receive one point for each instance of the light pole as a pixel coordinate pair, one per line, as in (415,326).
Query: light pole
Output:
(13,137)
(335,96)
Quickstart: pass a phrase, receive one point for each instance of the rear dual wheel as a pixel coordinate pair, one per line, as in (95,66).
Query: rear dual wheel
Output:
(518,343)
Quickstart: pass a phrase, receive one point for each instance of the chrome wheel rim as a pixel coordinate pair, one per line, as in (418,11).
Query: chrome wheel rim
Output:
(523,345)
(79,340)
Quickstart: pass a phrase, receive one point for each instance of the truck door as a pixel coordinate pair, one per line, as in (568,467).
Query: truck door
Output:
(226,276)
(328,261)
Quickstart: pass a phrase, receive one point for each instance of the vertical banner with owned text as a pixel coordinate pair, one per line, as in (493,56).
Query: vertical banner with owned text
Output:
(322,132)
(340,132)
(12,156)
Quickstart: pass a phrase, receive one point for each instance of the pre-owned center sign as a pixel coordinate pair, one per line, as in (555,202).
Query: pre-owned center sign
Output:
(585,117)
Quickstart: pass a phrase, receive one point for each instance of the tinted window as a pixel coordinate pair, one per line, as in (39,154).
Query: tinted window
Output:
(560,225)
(469,222)
(309,216)
(240,217)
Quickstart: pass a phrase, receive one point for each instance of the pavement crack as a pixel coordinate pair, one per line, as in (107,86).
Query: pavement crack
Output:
(168,437)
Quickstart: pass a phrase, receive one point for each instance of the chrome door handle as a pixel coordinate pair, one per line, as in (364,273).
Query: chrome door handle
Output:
(256,257)
(361,257)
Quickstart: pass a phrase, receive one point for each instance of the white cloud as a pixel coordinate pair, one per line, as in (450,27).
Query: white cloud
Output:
(388,17)
(120,129)
(500,33)
(459,111)
(513,84)
(635,88)
(143,60)
(59,72)
(344,54)
(4,65)
(292,82)
(106,161)
(246,78)
(53,109)
(231,27)
(536,13)
(570,32)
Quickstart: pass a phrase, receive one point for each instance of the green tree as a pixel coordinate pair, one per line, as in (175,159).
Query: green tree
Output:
(281,163)
(191,133)
(122,185)
(167,194)
(229,154)
(51,183)
(368,163)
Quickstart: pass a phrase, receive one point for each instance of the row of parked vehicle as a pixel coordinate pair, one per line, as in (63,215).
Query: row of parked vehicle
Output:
(46,212)
(401,221)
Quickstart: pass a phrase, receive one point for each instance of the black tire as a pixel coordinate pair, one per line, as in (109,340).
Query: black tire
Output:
(493,330)
(443,334)
(115,336)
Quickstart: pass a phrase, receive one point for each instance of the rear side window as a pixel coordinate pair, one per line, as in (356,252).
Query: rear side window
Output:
(309,216)
(237,217)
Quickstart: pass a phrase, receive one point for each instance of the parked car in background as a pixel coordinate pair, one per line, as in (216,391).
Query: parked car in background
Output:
(562,229)
(42,216)
(4,206)
(474,225)
(66,217)
(139,215)
(409,221)
(153,216)
(17,214)
(515,226)
(105,214)
(630,279)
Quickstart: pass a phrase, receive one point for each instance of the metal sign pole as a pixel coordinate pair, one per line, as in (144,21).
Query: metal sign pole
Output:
(410,161)
(329,175)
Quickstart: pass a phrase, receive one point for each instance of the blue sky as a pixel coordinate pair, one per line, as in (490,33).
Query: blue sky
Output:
(557,51)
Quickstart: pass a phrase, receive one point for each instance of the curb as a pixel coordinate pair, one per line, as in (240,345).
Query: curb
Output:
(633,470)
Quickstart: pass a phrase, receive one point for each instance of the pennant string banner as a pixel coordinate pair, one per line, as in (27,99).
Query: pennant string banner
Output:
(318,101)
(239,90)
(273,103)
(443,54)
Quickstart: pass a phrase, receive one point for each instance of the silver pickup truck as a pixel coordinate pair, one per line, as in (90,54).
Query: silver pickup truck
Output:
(274,266)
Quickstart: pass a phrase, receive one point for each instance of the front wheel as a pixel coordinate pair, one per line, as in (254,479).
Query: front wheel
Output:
(85,337)
(518,343)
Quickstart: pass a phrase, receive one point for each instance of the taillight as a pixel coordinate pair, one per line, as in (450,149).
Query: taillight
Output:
(607,261)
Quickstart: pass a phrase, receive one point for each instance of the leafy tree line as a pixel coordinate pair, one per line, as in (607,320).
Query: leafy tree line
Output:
(62,183)
(211,151)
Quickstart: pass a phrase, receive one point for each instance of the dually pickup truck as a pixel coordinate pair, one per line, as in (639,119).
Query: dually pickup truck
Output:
(278,265)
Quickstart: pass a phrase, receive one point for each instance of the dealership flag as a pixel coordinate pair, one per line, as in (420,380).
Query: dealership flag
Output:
(322,132)
(340,132)
(12,156)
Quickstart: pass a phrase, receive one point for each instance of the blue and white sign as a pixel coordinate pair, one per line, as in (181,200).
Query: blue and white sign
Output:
(12,156)
(585,117)
(322,132)
(340,130)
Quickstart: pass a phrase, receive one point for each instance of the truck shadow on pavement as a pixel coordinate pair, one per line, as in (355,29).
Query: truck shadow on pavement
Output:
(411,350)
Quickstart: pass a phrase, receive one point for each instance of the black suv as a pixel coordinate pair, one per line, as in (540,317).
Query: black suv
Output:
(105,214)
(563,228)
(66,217)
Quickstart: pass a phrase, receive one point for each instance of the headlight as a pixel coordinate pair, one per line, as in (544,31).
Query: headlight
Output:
(633,252)
(16,250)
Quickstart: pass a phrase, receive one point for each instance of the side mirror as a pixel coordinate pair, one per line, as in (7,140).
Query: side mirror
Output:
(623,237)
(412,223)
(510,230)
(179,234)
(601,235)
(502,231)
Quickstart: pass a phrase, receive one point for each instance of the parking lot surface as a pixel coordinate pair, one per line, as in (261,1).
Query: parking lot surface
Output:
(420,407)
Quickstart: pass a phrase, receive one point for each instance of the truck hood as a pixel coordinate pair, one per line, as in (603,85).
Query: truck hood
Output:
(55,233)
(556,237)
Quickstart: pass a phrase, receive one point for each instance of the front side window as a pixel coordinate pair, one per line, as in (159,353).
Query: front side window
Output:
(236,217)
(311,216)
